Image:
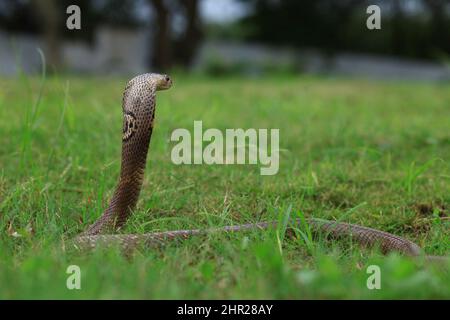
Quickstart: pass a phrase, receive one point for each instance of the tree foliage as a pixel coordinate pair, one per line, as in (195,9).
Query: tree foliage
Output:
(413,28)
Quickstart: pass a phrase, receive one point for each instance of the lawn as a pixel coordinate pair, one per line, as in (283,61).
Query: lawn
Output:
(371,153)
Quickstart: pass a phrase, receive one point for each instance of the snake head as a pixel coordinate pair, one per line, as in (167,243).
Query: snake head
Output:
(149,81)
(163,81)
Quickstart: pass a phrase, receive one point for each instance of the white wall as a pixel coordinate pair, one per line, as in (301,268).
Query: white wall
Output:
(114,51)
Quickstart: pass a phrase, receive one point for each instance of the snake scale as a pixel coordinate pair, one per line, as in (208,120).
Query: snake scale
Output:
(139,102)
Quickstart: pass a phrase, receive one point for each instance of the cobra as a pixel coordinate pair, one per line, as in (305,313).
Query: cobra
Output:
(139,106)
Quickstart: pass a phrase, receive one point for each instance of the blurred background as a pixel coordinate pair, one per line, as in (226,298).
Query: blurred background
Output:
(223,37)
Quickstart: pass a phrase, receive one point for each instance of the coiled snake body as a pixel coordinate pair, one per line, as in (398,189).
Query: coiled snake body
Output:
(139,109)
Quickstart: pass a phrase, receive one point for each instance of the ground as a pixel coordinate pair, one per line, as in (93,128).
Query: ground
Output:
(371,153)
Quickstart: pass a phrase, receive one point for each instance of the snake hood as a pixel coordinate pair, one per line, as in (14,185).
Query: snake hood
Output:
(153,81)
(139,102)
(144,87)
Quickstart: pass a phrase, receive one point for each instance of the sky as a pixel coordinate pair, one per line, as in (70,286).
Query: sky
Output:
(222,11)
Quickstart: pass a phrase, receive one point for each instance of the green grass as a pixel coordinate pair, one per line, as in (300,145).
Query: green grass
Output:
(375,154)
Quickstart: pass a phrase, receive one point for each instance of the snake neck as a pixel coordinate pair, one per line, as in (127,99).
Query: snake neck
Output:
(138,117)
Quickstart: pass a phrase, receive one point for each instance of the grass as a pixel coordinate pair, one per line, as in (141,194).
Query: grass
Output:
(375,154)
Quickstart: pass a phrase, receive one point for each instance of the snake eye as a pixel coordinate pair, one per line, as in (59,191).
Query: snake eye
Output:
(167,78)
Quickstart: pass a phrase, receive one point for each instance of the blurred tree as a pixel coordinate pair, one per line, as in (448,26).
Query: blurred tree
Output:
(192,36)
(168,47)
(440,26)
(319,23)
(18,16)
(162,44)
(399,41)
(413,28)
(50,17)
